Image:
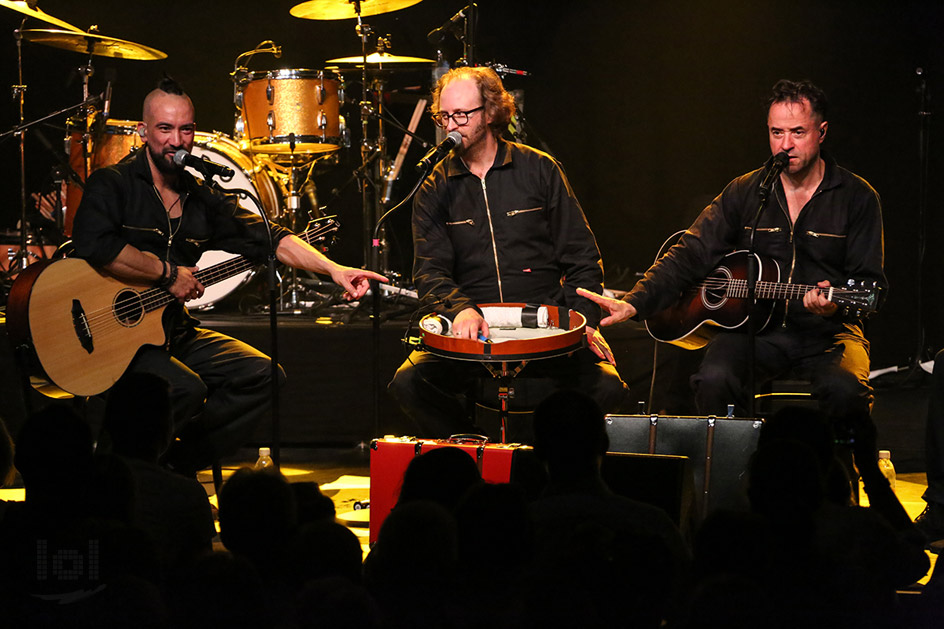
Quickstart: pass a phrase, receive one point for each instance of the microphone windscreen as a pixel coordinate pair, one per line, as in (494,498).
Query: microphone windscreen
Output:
(455,137)
(781,159)
(180,157)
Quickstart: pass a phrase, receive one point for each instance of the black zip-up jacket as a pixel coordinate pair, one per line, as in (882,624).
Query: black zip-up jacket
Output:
(837,236)
(518,236)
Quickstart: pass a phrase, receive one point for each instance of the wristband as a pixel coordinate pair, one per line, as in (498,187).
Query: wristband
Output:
(171,276)
(164,268)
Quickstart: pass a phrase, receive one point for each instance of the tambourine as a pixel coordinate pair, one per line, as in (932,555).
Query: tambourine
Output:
(517,332)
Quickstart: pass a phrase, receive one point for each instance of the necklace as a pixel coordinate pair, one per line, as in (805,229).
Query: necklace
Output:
(171,230)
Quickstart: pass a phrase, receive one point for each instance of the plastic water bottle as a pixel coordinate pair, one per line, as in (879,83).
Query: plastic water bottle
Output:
(264,462)
(885,464)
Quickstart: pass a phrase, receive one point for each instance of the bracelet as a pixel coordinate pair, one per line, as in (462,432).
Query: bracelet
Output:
(171,276)
(164,268)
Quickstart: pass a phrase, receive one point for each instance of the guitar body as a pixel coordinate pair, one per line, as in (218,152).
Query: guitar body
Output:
(78,322)
(702,310)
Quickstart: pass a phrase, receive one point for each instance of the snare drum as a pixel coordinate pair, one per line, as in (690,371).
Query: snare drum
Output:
(518,332)
(10,246)
(221,149)
(108,144)
(277,103)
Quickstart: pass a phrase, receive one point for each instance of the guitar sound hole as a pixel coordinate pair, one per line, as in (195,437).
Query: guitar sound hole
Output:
(715,291)
(128,308)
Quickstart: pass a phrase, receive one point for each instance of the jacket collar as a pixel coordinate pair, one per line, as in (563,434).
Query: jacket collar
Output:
(142,169)
(455,166)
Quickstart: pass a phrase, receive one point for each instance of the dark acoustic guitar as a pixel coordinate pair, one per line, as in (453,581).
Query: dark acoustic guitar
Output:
(720,300)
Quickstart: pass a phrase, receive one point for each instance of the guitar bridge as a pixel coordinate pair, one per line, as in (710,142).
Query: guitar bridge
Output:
(80,323)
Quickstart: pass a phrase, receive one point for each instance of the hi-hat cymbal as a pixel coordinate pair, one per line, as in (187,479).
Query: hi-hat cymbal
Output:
(93,43)
(344,9)
(22,7)
(380,58)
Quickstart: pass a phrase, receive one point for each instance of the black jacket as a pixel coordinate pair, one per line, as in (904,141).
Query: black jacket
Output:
(518,236)
(837,236)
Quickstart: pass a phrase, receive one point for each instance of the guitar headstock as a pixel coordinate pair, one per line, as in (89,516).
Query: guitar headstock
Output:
(321,231)
(859,298)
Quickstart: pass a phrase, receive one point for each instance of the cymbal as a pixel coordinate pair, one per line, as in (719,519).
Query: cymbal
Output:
(344,9)
(380,58)
(93,43)
(21,7)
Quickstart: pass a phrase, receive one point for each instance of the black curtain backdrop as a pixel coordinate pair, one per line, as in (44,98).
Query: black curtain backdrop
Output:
(651,106)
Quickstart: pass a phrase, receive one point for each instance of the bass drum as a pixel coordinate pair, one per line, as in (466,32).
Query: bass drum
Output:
(221,149)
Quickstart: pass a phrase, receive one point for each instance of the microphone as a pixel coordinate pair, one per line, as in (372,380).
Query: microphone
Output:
(106,107)
(779,162)
(202,164)
(436,35)
(435,154)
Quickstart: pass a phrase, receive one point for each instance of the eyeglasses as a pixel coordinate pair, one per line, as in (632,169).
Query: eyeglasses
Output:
(461,118)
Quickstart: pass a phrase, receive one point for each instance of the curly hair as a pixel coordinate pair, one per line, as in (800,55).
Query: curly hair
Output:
(499,104)
(786,91)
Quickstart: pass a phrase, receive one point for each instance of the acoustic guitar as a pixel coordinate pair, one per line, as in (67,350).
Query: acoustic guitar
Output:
(720,300)
(82,326)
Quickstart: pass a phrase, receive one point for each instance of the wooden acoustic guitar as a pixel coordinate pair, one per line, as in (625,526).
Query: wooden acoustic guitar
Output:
(720,300)
(82,326)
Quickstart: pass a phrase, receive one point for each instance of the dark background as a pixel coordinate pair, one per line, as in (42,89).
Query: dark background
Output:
(651,106)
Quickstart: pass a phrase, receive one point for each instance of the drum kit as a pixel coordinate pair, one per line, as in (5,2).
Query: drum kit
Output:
(289,126)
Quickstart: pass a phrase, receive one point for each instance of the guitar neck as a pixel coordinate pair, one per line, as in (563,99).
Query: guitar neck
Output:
(155,298)
(737,287)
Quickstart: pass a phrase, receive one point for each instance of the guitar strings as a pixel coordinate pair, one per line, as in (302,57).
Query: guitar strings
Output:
(737,287)
(104,320)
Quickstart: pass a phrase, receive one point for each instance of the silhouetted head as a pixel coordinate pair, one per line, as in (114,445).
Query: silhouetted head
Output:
(570,433)
(442,475)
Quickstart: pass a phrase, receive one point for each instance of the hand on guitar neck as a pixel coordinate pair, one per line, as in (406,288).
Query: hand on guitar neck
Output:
(618,309)
(817,303)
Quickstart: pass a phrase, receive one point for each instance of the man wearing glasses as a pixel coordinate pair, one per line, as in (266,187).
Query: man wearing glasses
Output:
(495,222)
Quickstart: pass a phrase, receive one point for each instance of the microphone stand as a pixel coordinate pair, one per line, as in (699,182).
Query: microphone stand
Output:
(752,270)
(274,294)
(375,300)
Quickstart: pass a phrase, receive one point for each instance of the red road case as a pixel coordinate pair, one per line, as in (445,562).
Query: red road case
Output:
(390,456)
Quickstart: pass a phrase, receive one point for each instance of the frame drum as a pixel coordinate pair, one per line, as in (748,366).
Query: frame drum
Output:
(518,332)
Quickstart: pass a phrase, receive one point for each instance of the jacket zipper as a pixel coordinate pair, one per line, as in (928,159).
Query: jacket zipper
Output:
(491,231)
(793,251)
(468,221)
(515,212)
(823,235)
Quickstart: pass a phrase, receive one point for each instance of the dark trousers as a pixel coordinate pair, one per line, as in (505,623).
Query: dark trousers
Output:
(934,442)
(439,394)
(837,367)
(220,389)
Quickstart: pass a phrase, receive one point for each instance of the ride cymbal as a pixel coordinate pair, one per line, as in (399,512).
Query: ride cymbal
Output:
(345,9)
(93,43)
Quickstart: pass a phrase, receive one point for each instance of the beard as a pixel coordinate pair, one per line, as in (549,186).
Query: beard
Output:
(164,162)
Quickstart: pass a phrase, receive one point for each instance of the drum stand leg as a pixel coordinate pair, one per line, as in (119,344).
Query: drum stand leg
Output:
(506,390)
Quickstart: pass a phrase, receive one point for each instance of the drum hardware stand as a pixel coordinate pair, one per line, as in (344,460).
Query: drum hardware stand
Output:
(21,259)
(506,390)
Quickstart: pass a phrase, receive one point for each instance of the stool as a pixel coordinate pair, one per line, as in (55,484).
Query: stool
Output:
(779,393)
